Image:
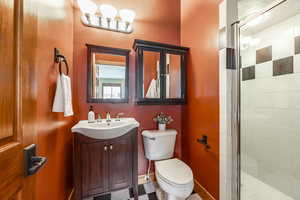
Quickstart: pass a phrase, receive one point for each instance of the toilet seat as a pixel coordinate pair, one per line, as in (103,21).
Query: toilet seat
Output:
(174,172)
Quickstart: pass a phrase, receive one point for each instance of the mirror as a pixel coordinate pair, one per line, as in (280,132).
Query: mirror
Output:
(173,76)
(151,76)
(107,74)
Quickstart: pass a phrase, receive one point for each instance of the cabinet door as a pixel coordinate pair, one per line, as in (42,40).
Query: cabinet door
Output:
(149,75)
(174,81)
(120,163)
(94,160)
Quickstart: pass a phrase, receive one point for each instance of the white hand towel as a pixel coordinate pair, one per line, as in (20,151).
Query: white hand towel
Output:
(67,90)
(152,92)
(58,104)
(63,96)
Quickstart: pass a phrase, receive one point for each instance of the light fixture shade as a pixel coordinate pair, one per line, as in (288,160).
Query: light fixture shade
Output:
(108,11)
(87,6)
(127,15)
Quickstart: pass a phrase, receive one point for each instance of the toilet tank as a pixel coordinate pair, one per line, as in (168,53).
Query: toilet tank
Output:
(159,145)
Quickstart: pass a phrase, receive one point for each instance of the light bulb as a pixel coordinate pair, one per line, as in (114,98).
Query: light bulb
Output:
(87,6)
(127,15)
(108,11)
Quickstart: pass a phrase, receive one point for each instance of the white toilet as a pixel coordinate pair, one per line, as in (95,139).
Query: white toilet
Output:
(174,177)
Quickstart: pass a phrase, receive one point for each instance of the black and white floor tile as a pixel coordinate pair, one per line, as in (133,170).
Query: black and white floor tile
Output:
(145,191)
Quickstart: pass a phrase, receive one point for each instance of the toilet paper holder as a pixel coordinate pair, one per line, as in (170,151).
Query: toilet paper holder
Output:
(204,141)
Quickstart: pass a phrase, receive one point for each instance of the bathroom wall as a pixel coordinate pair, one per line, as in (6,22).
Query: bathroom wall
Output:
(270,96)
(199,31)
(54,140)
(156,20)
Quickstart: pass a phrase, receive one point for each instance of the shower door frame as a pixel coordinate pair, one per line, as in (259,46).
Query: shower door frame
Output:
(236,101)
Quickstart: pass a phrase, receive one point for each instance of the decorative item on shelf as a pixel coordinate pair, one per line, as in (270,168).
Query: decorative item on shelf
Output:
(106,17)
(162,120)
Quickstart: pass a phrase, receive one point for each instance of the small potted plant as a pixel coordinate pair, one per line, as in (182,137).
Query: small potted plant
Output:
(162,120)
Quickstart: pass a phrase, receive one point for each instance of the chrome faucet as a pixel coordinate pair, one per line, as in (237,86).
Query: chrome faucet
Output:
(118,116)
(99,118)
(108,117)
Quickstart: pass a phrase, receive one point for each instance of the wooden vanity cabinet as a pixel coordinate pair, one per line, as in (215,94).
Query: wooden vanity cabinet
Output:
(102,166)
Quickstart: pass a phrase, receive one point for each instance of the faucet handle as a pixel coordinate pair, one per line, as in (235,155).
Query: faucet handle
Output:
(118,116)
(99,118)
(108,117)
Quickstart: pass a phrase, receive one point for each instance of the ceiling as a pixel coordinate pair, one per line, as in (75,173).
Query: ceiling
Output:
(276,15)
(247,7)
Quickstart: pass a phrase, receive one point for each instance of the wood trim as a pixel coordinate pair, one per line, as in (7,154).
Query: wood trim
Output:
(202,191)
(142,180)
(144,43)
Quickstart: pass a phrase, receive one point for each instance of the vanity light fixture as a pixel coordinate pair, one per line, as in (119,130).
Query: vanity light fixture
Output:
(106,17)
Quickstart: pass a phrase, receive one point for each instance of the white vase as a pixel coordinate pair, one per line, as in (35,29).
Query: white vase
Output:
(162,127)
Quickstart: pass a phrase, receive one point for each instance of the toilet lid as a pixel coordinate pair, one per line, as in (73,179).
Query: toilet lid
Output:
(174,171)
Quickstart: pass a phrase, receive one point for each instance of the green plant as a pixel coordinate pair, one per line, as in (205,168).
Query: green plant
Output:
(162,118)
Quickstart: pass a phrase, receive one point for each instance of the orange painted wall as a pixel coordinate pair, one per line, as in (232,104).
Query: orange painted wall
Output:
(199,31)
(156,20)
(54,140)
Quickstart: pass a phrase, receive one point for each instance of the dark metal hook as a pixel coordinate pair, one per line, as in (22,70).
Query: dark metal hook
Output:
(204,141)
(59,58)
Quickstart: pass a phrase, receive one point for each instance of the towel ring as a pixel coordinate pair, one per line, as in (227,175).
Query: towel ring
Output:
(59,58)
(66,63)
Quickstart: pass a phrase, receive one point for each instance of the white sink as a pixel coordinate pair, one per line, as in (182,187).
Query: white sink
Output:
(105,130)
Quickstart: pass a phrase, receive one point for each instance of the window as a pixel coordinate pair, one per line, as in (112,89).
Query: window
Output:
(111,91)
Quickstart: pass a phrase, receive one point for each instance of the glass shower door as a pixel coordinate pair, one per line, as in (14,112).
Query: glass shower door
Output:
(270,105)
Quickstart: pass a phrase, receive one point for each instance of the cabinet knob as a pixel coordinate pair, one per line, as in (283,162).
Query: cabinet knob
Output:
(111,147)
(105,148)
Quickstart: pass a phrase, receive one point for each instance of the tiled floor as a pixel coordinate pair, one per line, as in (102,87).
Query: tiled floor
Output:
(146,192)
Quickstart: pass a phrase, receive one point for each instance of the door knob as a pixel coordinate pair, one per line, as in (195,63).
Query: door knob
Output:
(32,162)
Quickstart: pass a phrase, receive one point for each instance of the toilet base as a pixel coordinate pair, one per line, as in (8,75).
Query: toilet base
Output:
(172,197)
(161,195)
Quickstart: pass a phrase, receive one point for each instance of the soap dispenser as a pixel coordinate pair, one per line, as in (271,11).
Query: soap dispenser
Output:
(91,115)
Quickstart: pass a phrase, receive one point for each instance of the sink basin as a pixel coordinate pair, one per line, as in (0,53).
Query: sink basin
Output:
(105,130)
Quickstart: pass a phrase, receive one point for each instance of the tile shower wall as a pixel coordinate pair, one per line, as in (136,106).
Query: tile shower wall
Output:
(271,107)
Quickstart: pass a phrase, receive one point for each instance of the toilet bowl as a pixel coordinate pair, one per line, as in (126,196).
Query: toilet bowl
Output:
(174,177)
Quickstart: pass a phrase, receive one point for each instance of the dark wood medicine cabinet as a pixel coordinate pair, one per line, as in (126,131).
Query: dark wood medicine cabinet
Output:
(160,73)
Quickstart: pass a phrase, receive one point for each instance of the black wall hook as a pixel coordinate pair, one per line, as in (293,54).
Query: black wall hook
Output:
(59,58)
(204,141)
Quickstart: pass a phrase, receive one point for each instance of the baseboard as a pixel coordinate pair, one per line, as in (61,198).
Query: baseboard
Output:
(71,195)
(142,180)
(202,191)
